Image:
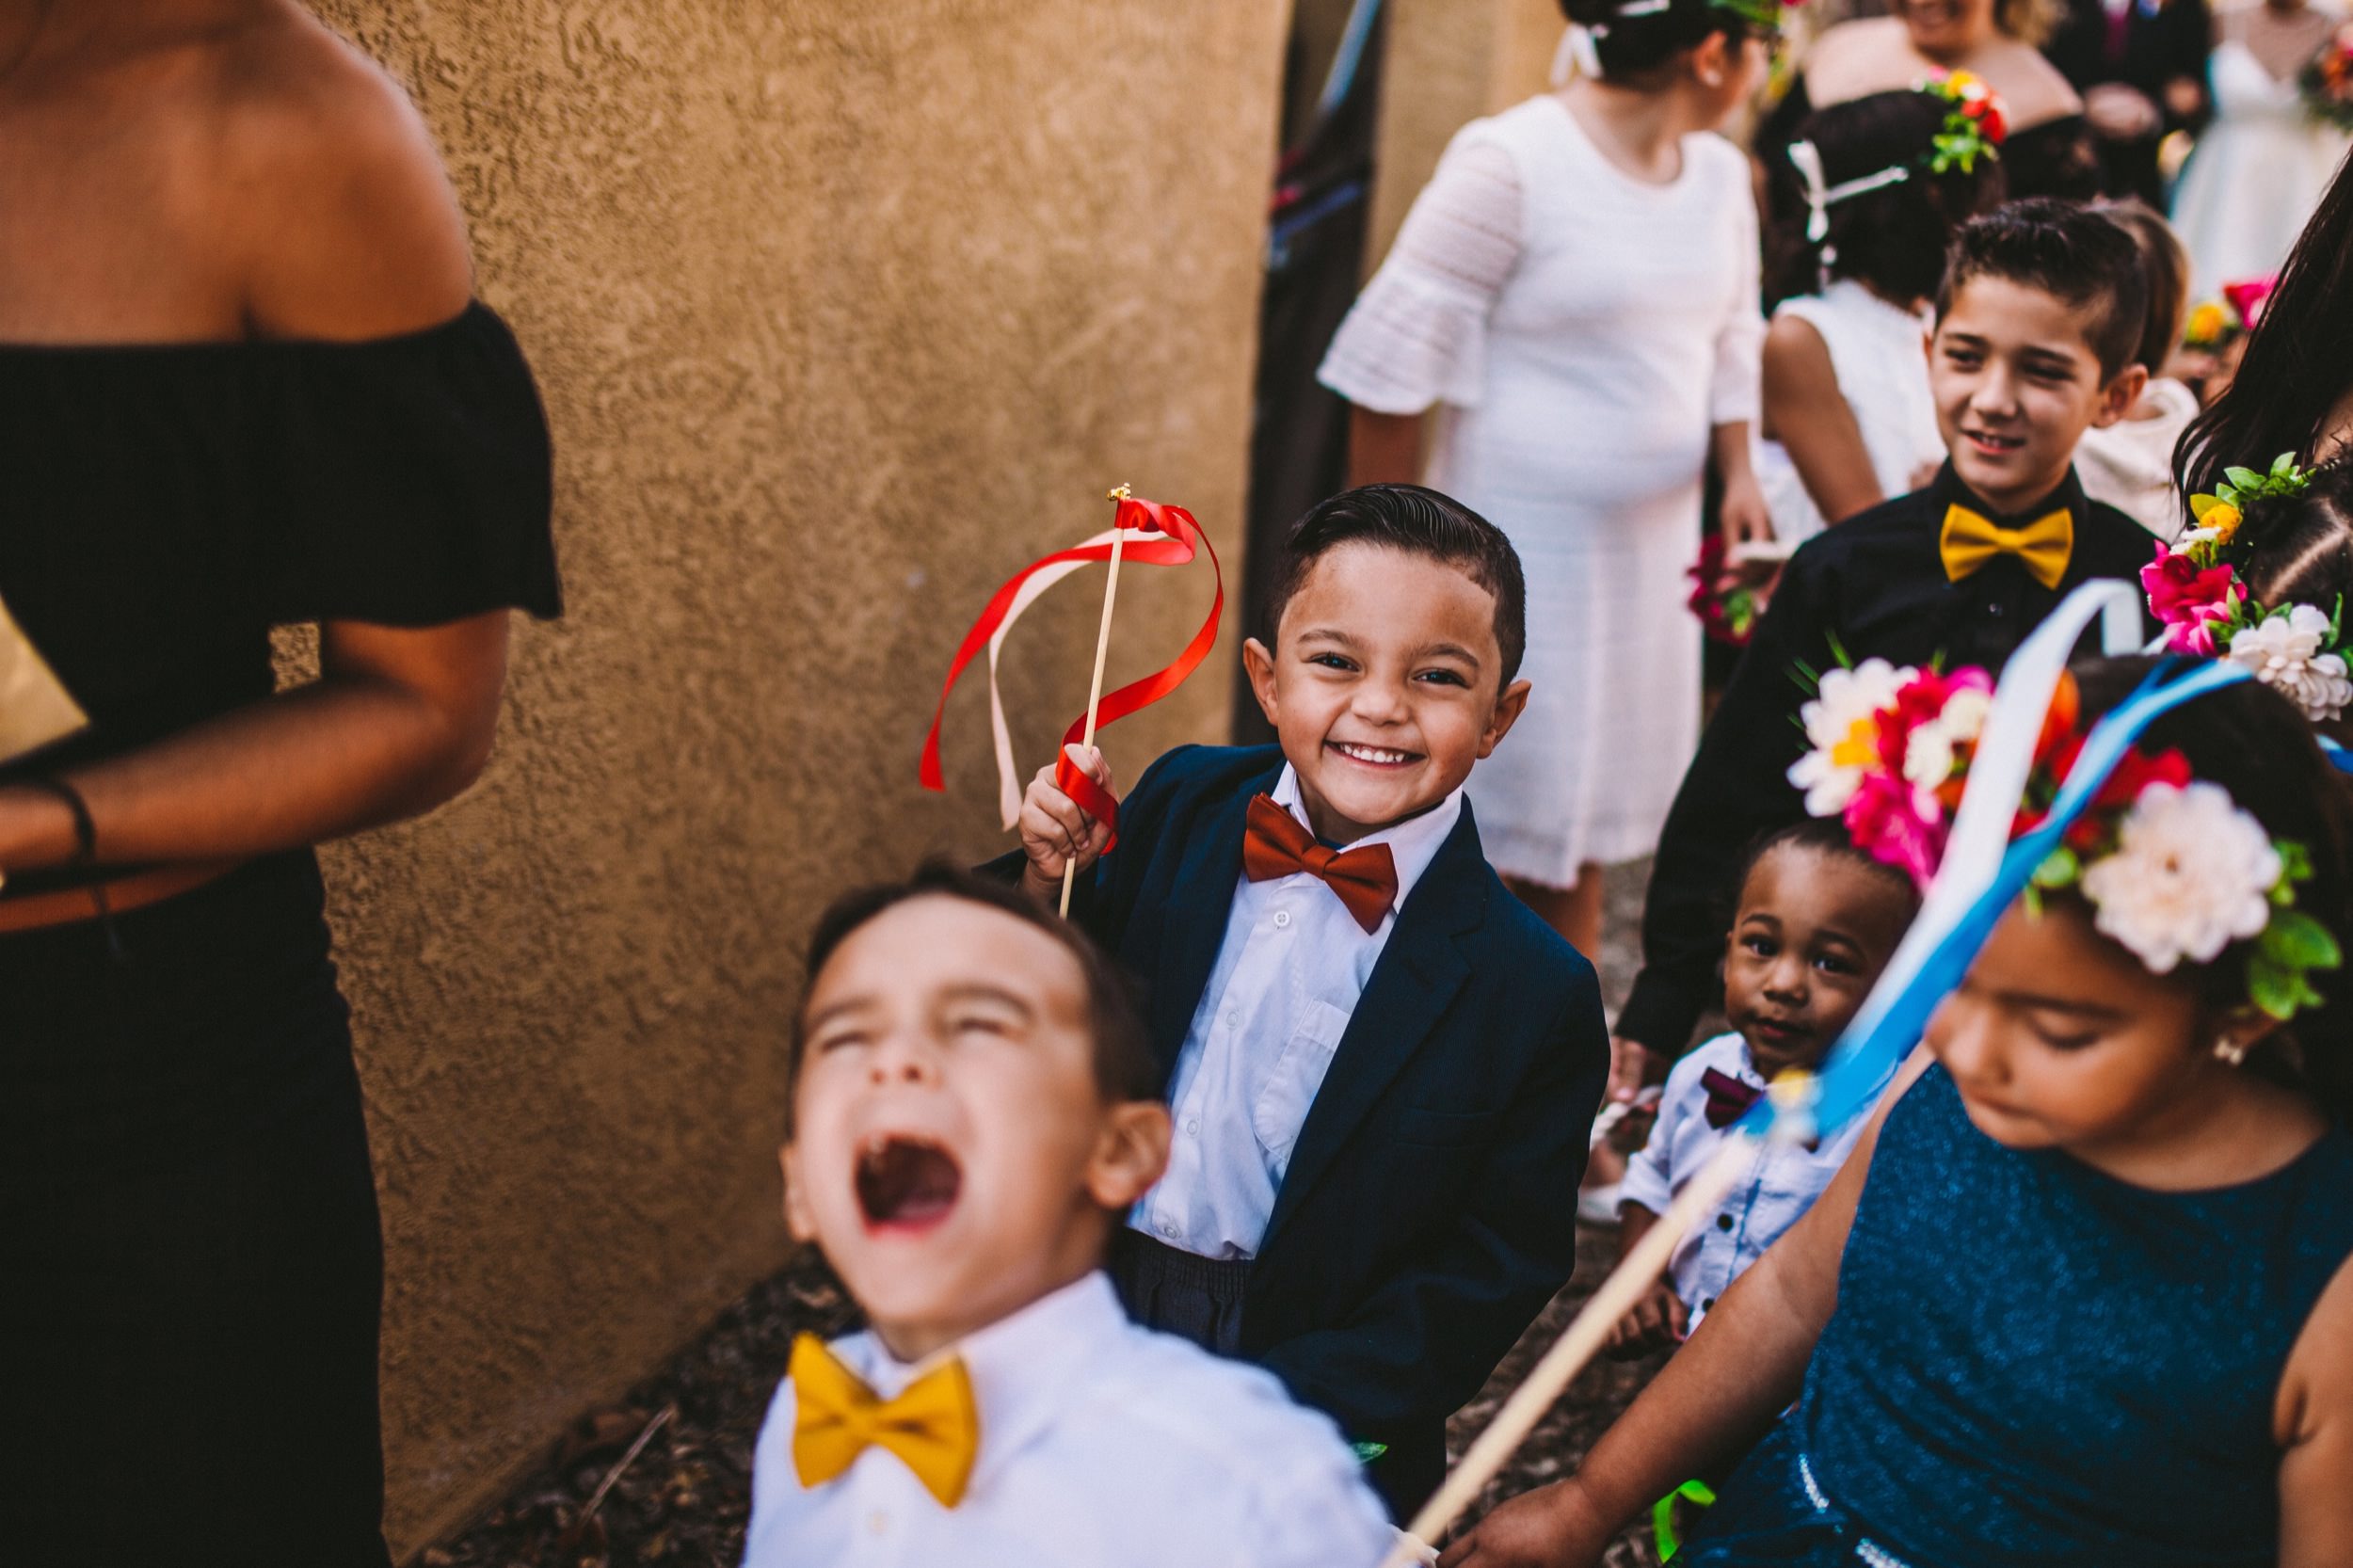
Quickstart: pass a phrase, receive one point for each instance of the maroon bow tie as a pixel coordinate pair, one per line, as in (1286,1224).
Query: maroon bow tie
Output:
(1728,1099)
(1276,844)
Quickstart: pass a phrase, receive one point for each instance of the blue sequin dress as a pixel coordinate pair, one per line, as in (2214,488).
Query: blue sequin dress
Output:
(2036,1366)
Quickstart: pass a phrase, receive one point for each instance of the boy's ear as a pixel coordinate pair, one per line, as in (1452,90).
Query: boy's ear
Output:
(1257,662)
(1509,704)
(798,1218)
(2118,397)
(1130,1154)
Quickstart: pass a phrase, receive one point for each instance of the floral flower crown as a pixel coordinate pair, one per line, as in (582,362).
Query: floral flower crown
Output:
(2215,324)
(1974,126)
(2172,867)
(2194,589)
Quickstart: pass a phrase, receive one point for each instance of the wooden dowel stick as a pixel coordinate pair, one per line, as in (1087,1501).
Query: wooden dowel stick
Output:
(1102,649)
(1577,1344)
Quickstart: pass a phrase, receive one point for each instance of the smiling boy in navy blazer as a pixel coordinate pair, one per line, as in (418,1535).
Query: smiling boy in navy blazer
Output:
(1383,1067)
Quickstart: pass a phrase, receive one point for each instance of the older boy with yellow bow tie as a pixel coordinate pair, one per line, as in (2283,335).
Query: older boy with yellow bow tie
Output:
(972,1108)
(2037,325)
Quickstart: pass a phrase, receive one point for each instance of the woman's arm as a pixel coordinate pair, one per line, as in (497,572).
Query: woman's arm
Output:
(398,721)
(332,220)
(1809,416)
(1719,1395)
(1383,449)
(2313,1420)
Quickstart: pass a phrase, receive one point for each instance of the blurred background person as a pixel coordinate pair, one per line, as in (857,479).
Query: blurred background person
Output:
(2263,160)
(243,382)
(2142,68)
(1576,290)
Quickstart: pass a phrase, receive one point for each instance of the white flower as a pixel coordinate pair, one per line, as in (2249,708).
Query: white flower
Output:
(2190,874)
(1842,725)
(2193,536)
(2284,653)
(1928,751)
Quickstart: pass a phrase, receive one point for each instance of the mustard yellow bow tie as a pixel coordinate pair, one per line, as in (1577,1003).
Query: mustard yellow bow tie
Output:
(1968,541)
(934,1426)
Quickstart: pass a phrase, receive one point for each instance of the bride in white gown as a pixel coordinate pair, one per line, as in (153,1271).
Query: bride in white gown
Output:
(2259,168)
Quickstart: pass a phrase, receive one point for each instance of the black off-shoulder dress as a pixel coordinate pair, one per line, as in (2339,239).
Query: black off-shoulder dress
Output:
(190,1266)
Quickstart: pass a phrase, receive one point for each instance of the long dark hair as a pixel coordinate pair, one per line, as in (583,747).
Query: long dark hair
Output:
(2255,743)
(1891,239)
(2298,361)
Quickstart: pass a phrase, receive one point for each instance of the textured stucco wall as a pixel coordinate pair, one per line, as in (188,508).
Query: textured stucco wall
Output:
(1449,62)
(841,310)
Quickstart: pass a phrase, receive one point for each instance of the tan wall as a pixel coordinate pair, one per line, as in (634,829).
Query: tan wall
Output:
(843,310)
(1449,62)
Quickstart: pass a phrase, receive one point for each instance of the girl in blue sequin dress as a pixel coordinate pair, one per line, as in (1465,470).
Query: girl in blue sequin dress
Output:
(2083,1294)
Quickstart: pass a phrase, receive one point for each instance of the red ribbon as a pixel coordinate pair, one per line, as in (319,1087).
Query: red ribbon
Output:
(1172,538)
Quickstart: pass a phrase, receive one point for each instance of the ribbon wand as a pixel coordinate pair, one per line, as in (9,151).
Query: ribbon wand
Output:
(1103,647)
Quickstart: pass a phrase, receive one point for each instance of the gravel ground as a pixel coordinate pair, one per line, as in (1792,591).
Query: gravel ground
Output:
(666,1476)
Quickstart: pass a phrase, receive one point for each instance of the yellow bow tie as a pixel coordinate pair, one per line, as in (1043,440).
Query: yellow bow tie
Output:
(934,1426)
(1969,541)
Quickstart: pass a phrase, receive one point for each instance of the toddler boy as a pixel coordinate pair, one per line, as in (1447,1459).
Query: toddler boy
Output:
(2041,310)
(971,1113)
(1381,1065)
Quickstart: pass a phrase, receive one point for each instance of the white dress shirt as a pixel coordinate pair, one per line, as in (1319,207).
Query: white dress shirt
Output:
(1781,1186)
(1101,1443)
(1286,979)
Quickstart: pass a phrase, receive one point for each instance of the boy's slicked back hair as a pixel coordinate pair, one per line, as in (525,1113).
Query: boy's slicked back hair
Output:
(1125,1067)
(2069,251)
(1418,521)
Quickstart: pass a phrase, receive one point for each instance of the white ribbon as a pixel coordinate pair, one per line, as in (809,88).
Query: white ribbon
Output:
(1821,195)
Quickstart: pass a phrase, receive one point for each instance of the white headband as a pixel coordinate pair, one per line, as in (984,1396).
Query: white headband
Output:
(1821,197)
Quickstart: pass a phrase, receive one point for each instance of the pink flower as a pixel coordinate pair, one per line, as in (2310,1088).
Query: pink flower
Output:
(2187,598)
(1897,824)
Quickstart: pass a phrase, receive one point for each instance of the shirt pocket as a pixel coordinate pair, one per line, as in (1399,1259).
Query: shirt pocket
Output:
(1280,1109)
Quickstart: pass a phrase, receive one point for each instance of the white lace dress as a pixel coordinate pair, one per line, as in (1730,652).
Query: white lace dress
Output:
(1879,353)
(1582,332)
(2257,173)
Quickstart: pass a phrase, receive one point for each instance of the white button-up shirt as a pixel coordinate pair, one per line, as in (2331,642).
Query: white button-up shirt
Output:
(1101,1443)
(1289,973)
(1781,1186)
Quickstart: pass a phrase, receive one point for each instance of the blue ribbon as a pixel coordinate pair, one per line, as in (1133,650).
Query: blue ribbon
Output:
(1861,1065)
(2337,757)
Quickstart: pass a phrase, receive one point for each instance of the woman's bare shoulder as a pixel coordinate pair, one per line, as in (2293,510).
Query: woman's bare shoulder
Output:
(2032,88)
(342,218)
(1856,59)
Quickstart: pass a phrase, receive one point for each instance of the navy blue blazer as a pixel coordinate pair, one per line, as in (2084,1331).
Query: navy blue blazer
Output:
(1429,1211)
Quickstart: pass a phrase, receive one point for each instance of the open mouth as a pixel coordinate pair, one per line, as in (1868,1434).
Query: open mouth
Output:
(1374,757)
(906,1183)
(1992,445)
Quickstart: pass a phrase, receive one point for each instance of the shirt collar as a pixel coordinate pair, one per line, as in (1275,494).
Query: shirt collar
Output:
(1412,843)
(1019,1365)
(2068,497)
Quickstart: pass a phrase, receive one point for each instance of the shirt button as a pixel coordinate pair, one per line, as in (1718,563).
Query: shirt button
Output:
(1723,1221)
(1232,1019)
(878,1523)
(1282,919)
(1168,1227)
(1193,1125)
(1994,611)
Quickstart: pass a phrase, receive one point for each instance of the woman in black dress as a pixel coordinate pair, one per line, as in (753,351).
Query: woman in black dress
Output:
(242,383)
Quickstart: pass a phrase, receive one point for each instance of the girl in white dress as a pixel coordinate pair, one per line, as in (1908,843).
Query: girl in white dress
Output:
(1576,292)
(2260,167)
(1860,222)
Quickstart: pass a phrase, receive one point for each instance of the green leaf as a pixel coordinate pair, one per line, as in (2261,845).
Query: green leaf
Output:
(1368,1453)
(2245,478)
(2284,465)
(2295,941)
(2059,869)
(2295,864)
(1838,650)
(2271,988)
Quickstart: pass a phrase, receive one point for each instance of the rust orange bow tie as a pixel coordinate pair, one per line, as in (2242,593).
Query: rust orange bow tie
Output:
(1275,843)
